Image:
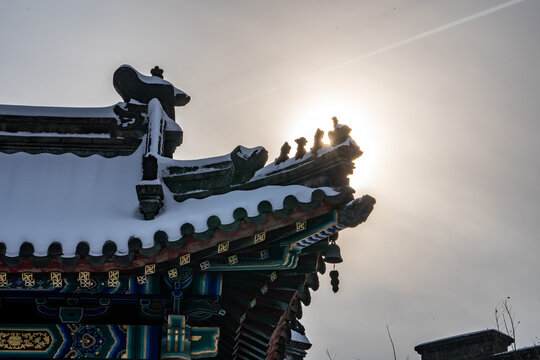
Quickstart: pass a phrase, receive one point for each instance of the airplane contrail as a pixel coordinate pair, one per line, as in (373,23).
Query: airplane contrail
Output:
(386,48)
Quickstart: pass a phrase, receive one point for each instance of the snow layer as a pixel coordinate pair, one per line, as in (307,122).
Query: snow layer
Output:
(70,199)
(296,336)
(454,337)
(155,114)
(154,80)
(70,112)
(53,134)
(246,153)
(165,162)
(289,163)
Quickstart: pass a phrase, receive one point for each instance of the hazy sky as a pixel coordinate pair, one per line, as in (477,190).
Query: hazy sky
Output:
(448,122)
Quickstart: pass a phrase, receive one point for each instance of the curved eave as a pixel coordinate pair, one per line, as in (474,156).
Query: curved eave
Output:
(166,249)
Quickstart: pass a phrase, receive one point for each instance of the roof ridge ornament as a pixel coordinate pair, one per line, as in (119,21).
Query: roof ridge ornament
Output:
(157,71)
(340,134)
(132,85)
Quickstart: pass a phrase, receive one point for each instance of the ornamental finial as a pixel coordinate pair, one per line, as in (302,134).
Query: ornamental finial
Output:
(340,134)
(157,71)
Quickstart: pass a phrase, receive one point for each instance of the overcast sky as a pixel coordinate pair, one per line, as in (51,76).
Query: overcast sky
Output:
(447,117)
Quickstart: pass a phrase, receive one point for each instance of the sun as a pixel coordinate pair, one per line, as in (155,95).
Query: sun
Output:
(318,114)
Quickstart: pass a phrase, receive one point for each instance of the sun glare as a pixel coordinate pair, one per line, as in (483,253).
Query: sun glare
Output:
(311,116)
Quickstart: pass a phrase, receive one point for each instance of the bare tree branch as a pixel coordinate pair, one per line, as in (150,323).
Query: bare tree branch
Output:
(505,320)
(391,341)
(508,311)
(330,356)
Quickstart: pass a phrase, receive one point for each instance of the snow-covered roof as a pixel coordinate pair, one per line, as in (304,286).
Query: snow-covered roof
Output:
(464,337)
(69,199)
(98,185)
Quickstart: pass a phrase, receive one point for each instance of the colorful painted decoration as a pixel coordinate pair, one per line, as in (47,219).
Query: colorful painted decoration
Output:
(149,269)
(205,265)
(62,341)
(259,237)
(3,279)
(173,273)
(56,279)
(207,283)
(185,259)
(223,247)
(301,225)
(69,288)
(185,342)
(28,279)
(233,260)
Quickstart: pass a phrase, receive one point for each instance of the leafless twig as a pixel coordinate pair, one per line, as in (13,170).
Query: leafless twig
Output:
(504,315)
(391,341)
(330,356)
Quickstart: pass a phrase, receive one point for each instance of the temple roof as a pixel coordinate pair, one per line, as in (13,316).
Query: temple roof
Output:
(94,206)
(99,186)
(69,199)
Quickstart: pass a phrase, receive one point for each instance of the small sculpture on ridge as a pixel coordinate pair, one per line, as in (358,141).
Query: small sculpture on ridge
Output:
(284,154)
(300,150)
(340,133)
(317,141)
(157,71)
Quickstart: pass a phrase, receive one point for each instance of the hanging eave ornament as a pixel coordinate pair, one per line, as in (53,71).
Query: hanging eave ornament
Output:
(333,256)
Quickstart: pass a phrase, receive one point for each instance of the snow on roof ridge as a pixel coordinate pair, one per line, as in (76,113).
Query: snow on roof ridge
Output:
(54,134)
(56,111)
(525,348)
(153,80)
(285,166)
(454,337)
(167,162)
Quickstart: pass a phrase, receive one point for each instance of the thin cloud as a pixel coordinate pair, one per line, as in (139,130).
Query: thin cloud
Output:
(386,48)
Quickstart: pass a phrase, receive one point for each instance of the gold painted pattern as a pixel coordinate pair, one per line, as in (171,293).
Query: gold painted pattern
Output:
(84,279)
(301,225)
(233,260)
(214,347)
(114,278)
(149,269)
(3,279)
(173,273)
(259,237)
(185,259)
(223,247)
(24,340)
(112,283)
(205,265)
(28,279)
(84,276)
(114,274)
(56,279)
